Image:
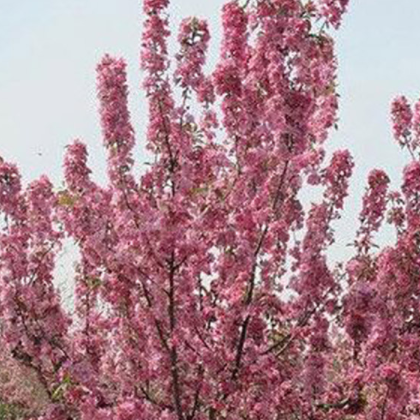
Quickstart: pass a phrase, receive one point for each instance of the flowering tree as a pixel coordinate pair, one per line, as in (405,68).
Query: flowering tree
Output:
(203,289)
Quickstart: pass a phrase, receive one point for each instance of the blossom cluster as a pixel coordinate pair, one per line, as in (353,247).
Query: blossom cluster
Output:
(204,288)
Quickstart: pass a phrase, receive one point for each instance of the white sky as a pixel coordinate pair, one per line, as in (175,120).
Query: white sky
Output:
(49,49)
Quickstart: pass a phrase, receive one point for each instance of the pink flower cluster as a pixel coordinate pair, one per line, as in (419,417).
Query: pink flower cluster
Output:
(205,289)
(402,118)
(333,10)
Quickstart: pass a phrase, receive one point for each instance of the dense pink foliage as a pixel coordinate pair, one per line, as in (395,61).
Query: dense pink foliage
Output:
(204,289)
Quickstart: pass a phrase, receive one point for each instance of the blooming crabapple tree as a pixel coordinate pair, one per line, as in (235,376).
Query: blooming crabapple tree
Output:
(203,289)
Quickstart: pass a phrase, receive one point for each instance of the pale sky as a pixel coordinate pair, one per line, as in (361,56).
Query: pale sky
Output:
(49,49)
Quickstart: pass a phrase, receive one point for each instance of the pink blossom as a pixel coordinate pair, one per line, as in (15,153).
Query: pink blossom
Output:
(205,289)
(402,116)
(333,10)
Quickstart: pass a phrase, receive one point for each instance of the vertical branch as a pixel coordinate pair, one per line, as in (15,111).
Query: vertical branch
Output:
(173,353)
(245,324)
